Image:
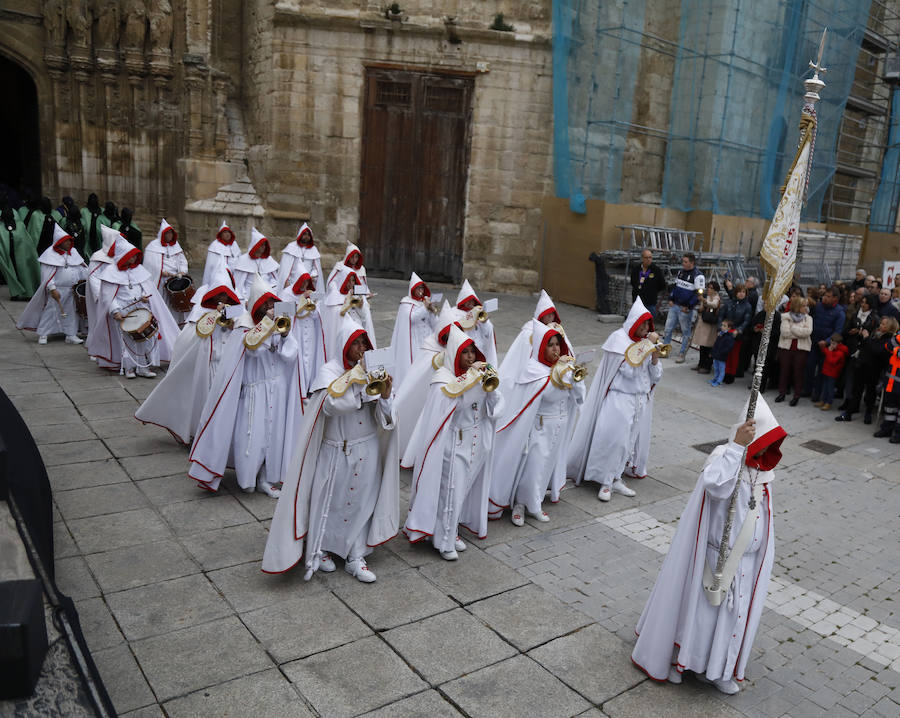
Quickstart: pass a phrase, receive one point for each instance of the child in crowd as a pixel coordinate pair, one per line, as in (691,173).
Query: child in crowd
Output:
(835,355)
(720,350)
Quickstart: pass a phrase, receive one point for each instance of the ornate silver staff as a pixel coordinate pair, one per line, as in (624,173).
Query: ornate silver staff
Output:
(778,257)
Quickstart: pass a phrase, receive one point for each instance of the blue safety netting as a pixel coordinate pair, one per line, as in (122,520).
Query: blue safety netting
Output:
(884,206)
(730,128)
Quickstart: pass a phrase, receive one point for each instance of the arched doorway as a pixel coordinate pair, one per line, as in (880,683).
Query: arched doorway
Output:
(20,159)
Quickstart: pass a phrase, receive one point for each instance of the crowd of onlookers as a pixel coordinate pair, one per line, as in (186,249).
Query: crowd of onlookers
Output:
(829,343)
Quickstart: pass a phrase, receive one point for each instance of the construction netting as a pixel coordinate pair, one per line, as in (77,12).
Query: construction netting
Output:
(704,116)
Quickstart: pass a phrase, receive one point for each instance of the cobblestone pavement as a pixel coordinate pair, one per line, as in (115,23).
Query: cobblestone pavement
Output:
(182,623)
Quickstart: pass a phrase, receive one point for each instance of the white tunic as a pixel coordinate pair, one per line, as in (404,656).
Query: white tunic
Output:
(61,279)
(413,326)
(135,354)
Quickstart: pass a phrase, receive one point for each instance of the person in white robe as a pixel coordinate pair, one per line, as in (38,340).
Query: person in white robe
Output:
(221,255)
(307,328)
(412,327)
(482,332)
(453,448)
(163,259)
(534,431)
(126,286)
(342,300)
(519,351)
(610,423)
(298,257)
(51,310)
(352,262)
(254,405)
(340,495)
(98,261)
(256,260)
(177,401)
(684,626)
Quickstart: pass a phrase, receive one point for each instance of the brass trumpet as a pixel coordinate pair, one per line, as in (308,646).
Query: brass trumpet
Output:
(664,349)
(376,381)
(565,366)
(433,308)
(223,321)
(283,324)
(579,372)
(354,301)
(489,379)
(306,308)
(482,316)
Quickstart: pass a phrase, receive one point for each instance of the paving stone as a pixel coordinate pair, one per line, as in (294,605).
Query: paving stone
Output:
(123,679)
(427,703)
(172,489)
(440,647)
(503,689)
(74,579)
(247,588)
(153,711)
(261,694)
(258,504)
(43,417)
(229,546)
(406,597)
(206,513)
(116,427)
(354,678)
(150,442)
(61,433)
(63,543)
(474,576)
(79,476)
(500,531)
(106,395)
(664,700)
(110,410)
(45,402)
(133,566)
(126,528)
(166,606)
(149,467)
(303,625)
(528,616)
(99,500)
(192,658)
(97,623)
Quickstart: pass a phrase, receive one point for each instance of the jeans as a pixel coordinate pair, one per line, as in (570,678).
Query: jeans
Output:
(718,371)
(827,389)
(683,319)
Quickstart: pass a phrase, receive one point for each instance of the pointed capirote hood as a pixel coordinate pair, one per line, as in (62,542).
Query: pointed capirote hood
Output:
(445,320)
(540,336)
(465,293)
(222,231)
(351,279)
(350,330)
(767,437)
(163,226)
(260,291)
(124,251)
(221,283)
(108,239)
(304,236)
(352,249)
(414,281)
(456,342)
(60,236)
(113,272)
(545,307)
(256,240)
(297,286)
(55,257)
(637,315)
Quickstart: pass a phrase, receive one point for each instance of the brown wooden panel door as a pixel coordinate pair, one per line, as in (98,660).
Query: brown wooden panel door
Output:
(415,162)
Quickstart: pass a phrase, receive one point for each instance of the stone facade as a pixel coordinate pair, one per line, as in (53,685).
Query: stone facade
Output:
(252,111)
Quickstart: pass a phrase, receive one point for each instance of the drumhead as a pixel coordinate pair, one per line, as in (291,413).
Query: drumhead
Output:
(178,284)
(136,319)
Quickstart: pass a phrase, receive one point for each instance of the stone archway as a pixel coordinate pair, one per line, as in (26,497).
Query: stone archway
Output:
(20,160)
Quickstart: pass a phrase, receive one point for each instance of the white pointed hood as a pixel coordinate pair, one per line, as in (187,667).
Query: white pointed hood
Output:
(625,336)
(350,330)
(536,366)
(351,249)
(456,342)
(53,257)
(221,284)
(163,227)
(256,239)
(414,281)
(767,437)
(545,306)
(445,320)
(466,292)
(304,235)
(260,291)
(304,275)
(123,251)
(108,238)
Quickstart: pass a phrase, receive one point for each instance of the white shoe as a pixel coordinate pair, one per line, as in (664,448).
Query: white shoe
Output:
(74,340)
(604,494)
(518,515)
(632,474)
(93,359)
(674,675)
(146,373)
(326,563)
(268,489)
(460,545)
(357,568)
(728,687)
(449,555)
(42,340)
(130,374)
(540,516)
(620,488)
(679,359)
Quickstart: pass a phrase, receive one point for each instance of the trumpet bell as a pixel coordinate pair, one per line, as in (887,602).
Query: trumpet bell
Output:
(665,350)
(282,324)
(490,381)
(579,372)
(482,316)
(376,387)
(224,322)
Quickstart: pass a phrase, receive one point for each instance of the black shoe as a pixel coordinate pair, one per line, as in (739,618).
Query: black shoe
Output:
(867,419)
(844,416)
(779,398)
(884,431)
(895,439)
(729,379)
(794,401)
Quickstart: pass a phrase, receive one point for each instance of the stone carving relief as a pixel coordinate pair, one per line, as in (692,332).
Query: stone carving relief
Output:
(55,22)
(79,19)
(135,12)
(108,18)
(161,26)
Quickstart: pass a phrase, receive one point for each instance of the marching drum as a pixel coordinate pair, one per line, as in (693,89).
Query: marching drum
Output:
(78,290)
(139,324)
(180,290)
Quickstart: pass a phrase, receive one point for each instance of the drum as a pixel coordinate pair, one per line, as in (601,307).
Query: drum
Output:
(139,324)
(180,290)
(78,290)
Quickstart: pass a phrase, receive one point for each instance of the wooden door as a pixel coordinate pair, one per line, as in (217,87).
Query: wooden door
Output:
(415,162)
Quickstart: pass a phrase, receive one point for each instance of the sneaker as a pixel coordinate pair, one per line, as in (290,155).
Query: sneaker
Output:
(540,516)
(449,555)
(729,687)
(146,373)
(518,515)
(72,339)
(605,494)
(42,340)
(265,488)
(674,675)
(93,359)
(130,374)
(825,407)
(620,488)
(679,359)
(326,563)
(844,416)
(460,545)
(713,382)
(357,568)
(631,473)
(818,403)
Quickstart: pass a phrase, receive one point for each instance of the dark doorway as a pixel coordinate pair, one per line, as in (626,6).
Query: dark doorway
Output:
(20,161)
(415,162)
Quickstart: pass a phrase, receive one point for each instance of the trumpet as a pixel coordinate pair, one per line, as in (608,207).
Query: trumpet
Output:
(223,321)
(354,301)
(283,324)
(489,379)
(433,308)
(473,317)
(376,381)
(305,309)
(564,366)
(638,352)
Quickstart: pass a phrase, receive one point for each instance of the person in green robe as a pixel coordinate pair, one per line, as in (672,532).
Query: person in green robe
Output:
(92,218)
(18,257)
(131,231)
(111,214)
(42,230)
(73,226)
